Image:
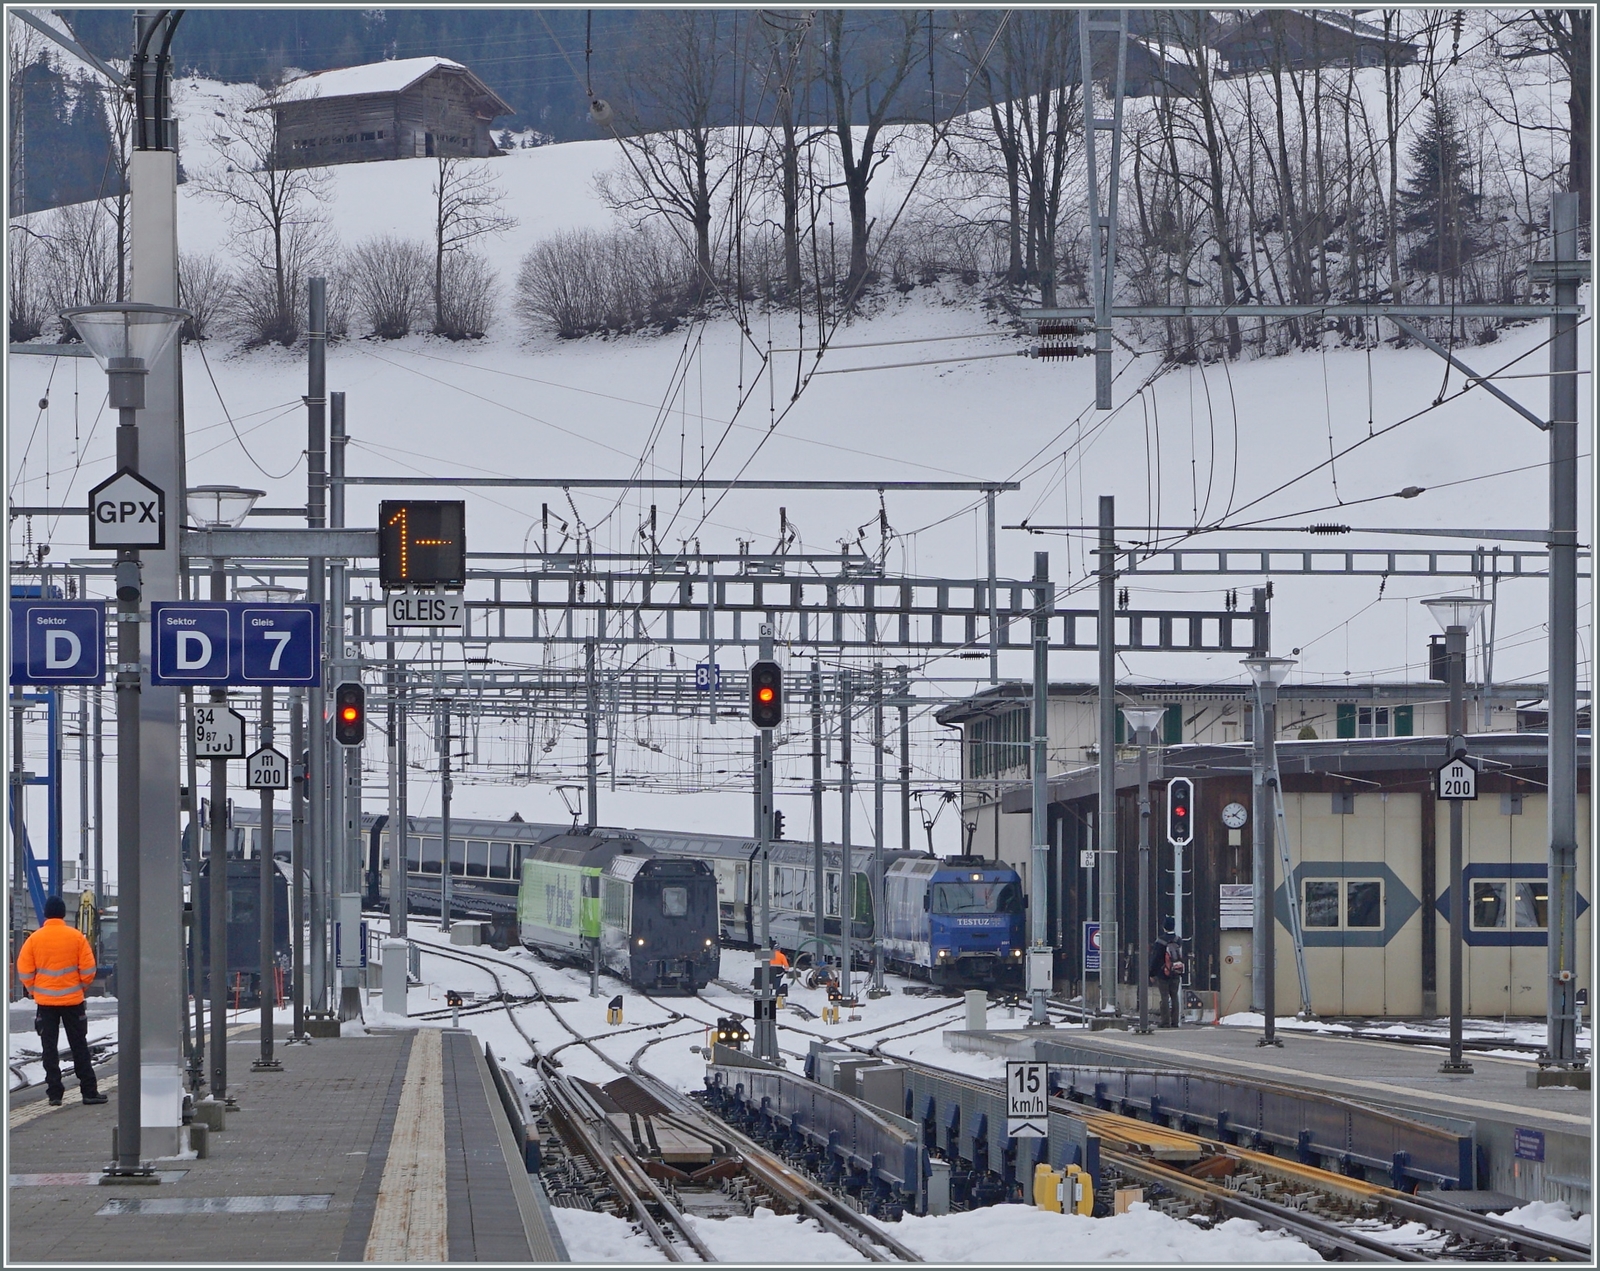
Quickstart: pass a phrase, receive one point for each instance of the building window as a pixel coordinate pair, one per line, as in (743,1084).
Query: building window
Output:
(1517,903)
(999,742)
(1372,721)
(1344,803)
(1362,908)
(369,136)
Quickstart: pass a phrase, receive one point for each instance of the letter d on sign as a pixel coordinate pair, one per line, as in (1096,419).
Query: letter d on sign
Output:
(53,661)
(198,639)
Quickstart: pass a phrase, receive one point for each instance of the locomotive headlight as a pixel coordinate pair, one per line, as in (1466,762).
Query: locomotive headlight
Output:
(641,942)
(944,953)
(708,942)
(1016,953)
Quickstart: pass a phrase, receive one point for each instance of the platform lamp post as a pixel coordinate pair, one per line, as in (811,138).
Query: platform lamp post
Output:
(1143,720)
(1456,615)
(266,846)
(1268,673)
(219,507)
(125,339)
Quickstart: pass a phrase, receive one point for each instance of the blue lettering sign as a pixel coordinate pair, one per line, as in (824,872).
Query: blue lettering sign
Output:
(60,642)
(236,643)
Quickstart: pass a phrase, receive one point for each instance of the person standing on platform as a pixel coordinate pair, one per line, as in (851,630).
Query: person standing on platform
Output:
(1166,972)
(55,964)
(779,958)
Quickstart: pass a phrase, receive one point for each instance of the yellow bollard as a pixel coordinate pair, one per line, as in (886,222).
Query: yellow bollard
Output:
(1047,1188)
(1078,1193)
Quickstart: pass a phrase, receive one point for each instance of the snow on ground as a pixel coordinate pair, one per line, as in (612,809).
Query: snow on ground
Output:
(1013,1235)
(523,404)
(1517,1031)
(1552,1218)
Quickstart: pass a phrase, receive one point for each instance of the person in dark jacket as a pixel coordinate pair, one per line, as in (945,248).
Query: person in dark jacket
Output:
(1166,973)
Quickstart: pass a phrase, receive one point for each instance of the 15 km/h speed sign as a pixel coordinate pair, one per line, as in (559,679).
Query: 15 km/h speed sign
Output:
(217,731)
(1027,1099)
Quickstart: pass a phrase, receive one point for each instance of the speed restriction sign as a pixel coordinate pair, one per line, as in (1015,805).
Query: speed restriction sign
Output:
(218,732)
(267,769)
(1027,1099)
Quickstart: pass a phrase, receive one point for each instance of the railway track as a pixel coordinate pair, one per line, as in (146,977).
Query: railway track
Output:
(1183,1174)
(597,1161)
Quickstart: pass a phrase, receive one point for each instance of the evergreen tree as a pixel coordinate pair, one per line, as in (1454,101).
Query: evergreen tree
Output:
(1438,203)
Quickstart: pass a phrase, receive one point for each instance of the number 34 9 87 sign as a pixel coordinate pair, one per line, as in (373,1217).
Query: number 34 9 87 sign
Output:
(217,731)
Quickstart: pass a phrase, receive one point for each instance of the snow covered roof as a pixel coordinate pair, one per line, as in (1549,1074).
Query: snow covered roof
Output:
(379,77)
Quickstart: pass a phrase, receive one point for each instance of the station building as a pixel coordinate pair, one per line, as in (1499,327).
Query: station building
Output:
(1368,844)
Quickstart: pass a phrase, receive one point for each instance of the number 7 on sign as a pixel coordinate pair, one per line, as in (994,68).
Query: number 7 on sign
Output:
(281,639)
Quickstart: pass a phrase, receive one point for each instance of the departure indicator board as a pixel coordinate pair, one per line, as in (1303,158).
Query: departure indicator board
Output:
(422,543)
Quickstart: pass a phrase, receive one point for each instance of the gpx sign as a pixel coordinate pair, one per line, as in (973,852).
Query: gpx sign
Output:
(127,511)
(58,642)
(219,642)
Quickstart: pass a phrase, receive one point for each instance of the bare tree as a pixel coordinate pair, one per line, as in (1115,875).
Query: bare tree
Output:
(23,47)
(205,288)
(389,283)
(1566,35)
(784,39)
(468,204)
(676,155)
(26,310)
(866,59)
(274,207)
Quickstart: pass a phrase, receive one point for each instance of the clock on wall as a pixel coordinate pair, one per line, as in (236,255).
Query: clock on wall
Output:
(1235,815)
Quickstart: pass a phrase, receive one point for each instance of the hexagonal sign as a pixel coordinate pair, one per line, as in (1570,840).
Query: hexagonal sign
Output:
(126,511)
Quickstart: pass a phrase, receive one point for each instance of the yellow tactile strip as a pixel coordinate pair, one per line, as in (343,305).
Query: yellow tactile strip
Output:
(409,1222)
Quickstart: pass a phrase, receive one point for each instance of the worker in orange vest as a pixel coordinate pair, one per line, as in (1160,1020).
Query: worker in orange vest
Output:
(779,958)
(55,964)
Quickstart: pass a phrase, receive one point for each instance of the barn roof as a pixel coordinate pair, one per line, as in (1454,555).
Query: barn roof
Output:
(379,78)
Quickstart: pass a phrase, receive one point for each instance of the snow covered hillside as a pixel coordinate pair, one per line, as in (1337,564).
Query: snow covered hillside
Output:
(1248,443)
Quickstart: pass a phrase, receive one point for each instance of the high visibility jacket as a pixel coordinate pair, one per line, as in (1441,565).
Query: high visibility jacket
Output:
(779,959)
(55,964)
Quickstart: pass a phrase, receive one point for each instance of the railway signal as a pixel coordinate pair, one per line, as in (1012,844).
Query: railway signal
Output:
(766,694)
(422,543)
(350,714)
(1180,811)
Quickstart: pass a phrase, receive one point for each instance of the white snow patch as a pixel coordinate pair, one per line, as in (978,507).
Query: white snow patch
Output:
(1553,1218)
(765,1237)
(594,1237)
(1020,1234)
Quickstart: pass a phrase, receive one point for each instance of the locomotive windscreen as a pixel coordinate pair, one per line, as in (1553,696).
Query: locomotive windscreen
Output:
(976,898)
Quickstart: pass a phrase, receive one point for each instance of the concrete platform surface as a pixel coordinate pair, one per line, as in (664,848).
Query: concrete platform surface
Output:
(381,1147)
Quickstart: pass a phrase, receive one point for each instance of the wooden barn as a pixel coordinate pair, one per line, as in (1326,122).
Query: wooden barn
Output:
(1300,38)
(416,108)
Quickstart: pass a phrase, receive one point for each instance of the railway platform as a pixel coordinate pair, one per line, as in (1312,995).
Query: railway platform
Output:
(1533,1144)
(389,1147)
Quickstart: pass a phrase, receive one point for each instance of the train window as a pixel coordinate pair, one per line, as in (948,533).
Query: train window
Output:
(499,860)
(863,908)
(833,895)
(1363,903)
(283,843)
(992,897)
(1321,903)
(413,854)
(674,902)
(431,857)
(1532,905)
(477,859)
(1489,905)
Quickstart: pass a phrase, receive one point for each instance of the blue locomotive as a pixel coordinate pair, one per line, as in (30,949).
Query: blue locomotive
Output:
(957,921)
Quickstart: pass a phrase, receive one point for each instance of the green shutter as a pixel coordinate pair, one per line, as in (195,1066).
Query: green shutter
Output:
(1122,730)
(1347,719)
(1172,725)
(1402,721)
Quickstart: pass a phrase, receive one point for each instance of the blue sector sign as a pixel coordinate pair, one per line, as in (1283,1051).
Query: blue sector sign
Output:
(1091,946)
(58,642)
(235,643)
